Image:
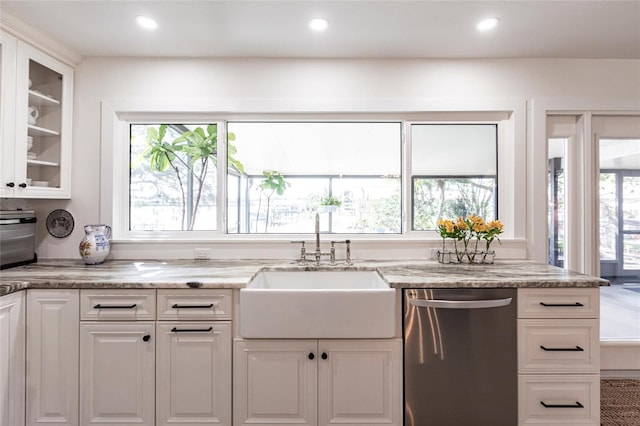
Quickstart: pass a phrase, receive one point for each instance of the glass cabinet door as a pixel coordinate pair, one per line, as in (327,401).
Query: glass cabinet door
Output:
(43,125)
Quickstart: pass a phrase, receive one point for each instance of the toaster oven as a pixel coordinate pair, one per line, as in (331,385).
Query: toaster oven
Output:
(17,238)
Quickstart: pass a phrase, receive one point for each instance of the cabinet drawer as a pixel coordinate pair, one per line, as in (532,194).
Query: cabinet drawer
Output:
(558,302)
(117,305)
(559,400)
(200,304)
(548,346)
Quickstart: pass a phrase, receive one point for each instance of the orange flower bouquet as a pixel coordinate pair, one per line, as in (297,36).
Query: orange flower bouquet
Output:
(469,232)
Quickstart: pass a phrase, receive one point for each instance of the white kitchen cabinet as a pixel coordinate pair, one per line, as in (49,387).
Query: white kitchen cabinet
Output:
(318,382)
(12,359)
(36,153)
(193,374)
(52,357)
(360,382)
(569,400)
(558,356)
(137,368)
(117,366)
(117,357)
(275,382)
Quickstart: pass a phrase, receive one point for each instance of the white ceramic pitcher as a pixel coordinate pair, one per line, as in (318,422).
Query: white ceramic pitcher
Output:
(95,245)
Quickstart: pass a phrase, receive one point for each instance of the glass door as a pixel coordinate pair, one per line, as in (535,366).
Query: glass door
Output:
(619,191)
(630,224)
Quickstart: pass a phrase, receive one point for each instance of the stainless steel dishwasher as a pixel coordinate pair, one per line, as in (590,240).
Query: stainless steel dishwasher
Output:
(460,357)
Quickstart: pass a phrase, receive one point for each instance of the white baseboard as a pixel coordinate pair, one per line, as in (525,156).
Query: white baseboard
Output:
(620,356)
(620,374)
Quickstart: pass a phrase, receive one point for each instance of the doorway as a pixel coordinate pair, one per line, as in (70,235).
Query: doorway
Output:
(619,190)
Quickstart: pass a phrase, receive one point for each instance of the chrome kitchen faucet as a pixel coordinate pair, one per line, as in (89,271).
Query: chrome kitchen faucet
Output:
(317,253)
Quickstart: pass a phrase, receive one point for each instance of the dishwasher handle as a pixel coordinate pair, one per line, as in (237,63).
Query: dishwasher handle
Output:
(460,304)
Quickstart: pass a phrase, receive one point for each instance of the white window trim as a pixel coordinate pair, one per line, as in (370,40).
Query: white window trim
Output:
(582,238)
(511,167)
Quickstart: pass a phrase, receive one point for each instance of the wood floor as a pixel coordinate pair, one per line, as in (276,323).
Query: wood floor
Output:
(620,313)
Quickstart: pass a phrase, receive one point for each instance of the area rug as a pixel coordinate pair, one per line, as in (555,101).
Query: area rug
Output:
(620,402)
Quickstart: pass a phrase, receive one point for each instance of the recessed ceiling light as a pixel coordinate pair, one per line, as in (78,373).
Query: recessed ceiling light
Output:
(146,22)
(318,24)
(487,24)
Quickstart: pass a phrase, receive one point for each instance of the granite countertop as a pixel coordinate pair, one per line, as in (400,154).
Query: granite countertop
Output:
(74,274)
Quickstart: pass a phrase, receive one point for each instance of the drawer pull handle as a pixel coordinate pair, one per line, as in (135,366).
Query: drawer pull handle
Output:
(576,405)
(191,330)
(99,306)
(176,306)
(576,349)
(566,305)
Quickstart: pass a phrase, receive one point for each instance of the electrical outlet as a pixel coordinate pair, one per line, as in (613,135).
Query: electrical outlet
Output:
(434,254)
(202,253)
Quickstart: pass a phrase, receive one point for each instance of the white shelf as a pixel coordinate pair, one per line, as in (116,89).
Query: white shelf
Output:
(39,99)
(41,131)
(42,163)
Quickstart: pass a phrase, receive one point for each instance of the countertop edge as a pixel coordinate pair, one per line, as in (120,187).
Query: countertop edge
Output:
(153,274)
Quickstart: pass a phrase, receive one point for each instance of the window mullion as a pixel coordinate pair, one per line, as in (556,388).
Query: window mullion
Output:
(221,170)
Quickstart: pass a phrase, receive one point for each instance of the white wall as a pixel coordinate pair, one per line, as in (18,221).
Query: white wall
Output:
(307,84)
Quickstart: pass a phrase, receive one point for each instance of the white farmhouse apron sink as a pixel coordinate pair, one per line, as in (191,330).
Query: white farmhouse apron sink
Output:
(317,304)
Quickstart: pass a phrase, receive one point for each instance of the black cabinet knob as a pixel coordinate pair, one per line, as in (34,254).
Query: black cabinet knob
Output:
(311,355)
(146,337)
(23,185)
(11,184)
(324,355)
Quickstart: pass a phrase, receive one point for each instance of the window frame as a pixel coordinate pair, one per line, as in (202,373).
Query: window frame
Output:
(508,177)
(509,115)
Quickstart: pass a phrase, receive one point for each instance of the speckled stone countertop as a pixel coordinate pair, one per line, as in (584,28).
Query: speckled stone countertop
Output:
(73,274)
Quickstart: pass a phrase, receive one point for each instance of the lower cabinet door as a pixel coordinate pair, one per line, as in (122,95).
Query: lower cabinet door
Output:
(360,382)
(275,382)
(12,359)
(193,375)
(117,371)
(52,357)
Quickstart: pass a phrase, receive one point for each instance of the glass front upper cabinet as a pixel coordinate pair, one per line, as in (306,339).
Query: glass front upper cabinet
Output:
(41,146)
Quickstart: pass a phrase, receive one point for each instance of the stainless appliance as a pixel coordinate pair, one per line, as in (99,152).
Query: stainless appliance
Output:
(460,357)
(17,237)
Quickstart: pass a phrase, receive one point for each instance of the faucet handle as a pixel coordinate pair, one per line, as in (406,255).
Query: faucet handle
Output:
(347,244)
(303,252)
(332,253)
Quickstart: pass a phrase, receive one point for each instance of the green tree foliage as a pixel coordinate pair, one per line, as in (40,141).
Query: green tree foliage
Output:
(273,182)
(191,153)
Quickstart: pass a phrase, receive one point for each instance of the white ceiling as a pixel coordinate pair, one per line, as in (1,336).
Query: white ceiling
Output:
(357,28)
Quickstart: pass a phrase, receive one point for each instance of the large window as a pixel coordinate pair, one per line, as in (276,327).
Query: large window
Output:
(279,174)
(454,172)
(347,172)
